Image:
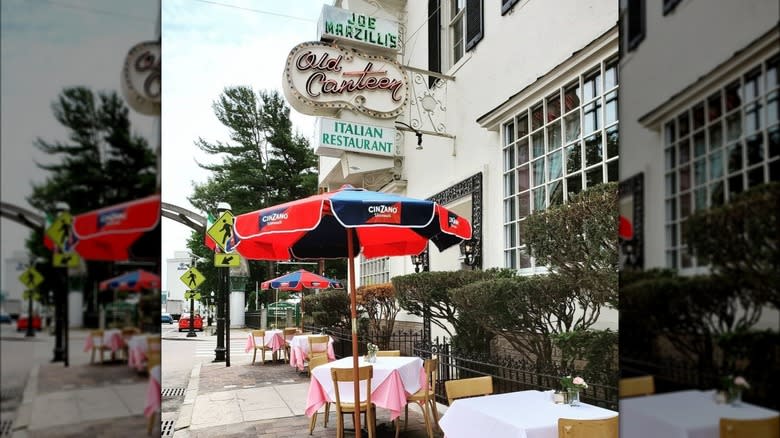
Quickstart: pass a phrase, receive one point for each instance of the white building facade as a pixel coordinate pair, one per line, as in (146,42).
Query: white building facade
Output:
(700,106)
(523,113)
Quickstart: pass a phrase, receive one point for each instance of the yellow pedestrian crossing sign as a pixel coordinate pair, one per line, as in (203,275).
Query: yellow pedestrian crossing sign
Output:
(222,230)
(66,260)
(192,295)
(59,230)
(31,278)
(222,260)
(192,278)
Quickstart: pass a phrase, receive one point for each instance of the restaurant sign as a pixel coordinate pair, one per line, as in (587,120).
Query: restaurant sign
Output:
(355,28)
(337,136)
(321,79)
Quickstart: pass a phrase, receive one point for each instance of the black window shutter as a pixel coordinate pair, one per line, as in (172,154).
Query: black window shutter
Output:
(474,23)
(506,5)
(636,22)
(434,39)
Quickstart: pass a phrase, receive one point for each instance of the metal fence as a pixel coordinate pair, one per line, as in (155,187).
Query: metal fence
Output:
(252,319)
(509,373)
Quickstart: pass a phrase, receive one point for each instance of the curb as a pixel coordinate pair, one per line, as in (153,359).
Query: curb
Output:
(190,394)
(24,413)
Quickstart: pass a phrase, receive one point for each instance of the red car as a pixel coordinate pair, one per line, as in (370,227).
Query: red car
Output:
(184,322)
(21,322)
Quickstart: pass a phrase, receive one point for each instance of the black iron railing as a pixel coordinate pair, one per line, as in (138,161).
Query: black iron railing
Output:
(509,373)
(252,320)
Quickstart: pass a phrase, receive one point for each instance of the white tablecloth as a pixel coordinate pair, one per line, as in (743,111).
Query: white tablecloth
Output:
(682,414)
(524,414)
(302,341)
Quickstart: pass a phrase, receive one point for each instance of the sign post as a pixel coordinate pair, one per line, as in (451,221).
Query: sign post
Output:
(31,278)
(63,258)
(222,234)
(192,278)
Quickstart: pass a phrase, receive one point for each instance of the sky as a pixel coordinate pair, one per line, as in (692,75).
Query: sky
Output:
(208,46)
(47,45)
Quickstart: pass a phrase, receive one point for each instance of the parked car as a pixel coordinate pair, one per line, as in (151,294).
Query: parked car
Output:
(5,318)
(184,322)
(166,318)
(21,322)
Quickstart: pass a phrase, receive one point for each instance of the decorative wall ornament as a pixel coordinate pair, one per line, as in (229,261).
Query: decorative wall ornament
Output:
(141,78)
(427,108)
(320,79)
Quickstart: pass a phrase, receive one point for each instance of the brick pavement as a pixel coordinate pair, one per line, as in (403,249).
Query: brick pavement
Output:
(298,427)
(217,377)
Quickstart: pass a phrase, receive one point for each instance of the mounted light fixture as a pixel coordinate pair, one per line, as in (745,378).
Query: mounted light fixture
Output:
(467,250)
(416,132)
(417,261)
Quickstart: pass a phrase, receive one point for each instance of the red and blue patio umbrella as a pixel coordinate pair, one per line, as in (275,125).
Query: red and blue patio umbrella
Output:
(343,224)
(300,280)
(107,233)
(133,281)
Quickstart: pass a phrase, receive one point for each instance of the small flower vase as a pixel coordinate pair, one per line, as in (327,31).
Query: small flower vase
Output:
(574,397)
(735,397)
(371,357)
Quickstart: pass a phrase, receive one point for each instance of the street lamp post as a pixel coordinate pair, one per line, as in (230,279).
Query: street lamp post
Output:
(224,286)
(61,352)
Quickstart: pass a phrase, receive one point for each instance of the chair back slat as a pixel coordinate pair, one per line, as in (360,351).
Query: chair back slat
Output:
(571,428)
(153,343)
(635,386)
(388,353)
(365,373)
(738,428)
(318,344)
(474,386)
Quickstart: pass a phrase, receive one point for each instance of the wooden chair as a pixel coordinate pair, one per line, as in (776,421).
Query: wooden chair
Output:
(259,334)
(735,428)
(288,334)
(426,397)
(314,363)
(127,333)
(318,346)
(634,386)
(97,345)
(470,387)
(388,353)
(365,374)
(569,428)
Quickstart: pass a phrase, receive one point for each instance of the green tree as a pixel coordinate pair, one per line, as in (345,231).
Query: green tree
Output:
(101,163)
(739,240)
(263,163)
(578,241)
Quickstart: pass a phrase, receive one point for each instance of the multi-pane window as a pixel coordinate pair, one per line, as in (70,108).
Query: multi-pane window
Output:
(718,147)
(457,28)
(561,145)
(374,271)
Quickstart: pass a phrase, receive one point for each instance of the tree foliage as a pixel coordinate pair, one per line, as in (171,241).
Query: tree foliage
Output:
(101,163)
(578,241)
(526,311)
(263,163)
(379,303)
(740,240)
(329,308)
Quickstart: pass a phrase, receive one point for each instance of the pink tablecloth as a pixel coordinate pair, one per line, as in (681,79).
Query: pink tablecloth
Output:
(136,352)
(111,338)
(299,348)
(394,379)
(153,392)
(273,340)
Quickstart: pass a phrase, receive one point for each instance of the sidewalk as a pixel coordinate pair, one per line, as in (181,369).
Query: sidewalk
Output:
(267,400)
(99,400)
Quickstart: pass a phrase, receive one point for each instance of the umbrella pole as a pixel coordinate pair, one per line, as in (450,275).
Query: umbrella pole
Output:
(353,311)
